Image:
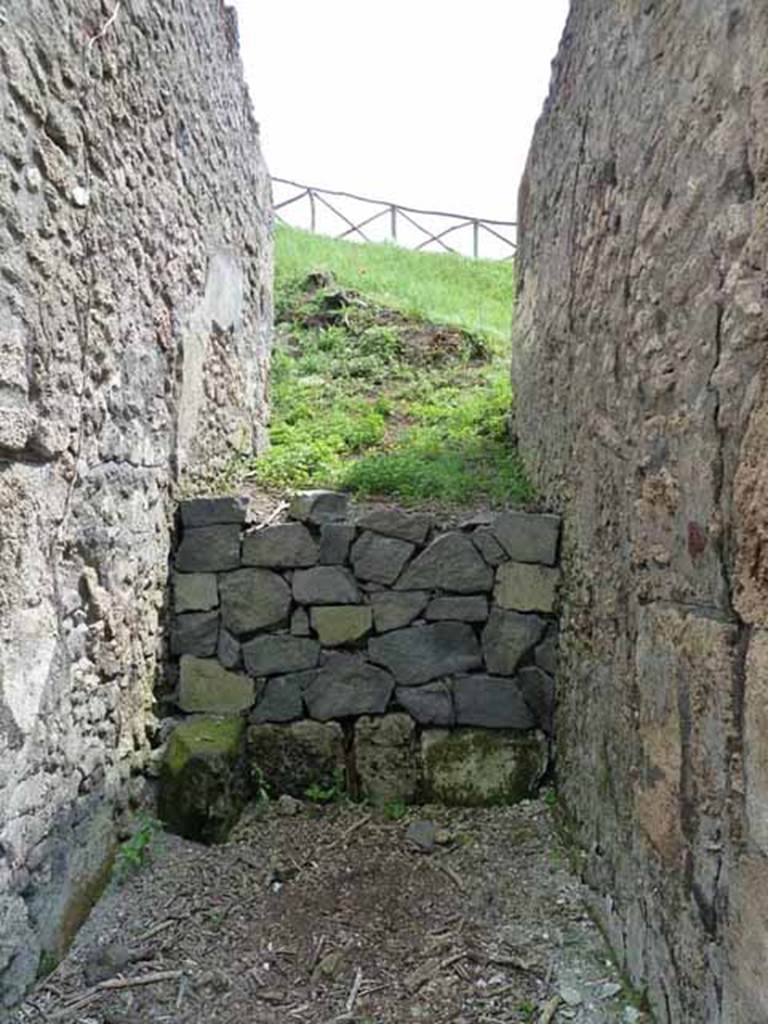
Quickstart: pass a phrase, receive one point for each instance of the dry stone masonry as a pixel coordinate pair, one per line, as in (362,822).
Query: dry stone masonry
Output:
(135,313)
(359,645)
(641,381)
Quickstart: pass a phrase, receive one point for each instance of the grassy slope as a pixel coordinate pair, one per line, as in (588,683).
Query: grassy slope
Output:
(355,407)
(475,294)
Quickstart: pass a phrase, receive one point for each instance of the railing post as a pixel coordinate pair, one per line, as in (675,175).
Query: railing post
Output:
(393,222)
(312,215)
(475,238)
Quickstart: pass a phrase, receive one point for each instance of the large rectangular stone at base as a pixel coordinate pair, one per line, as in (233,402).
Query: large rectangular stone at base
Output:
(478,768)
(386,758)
(291,758)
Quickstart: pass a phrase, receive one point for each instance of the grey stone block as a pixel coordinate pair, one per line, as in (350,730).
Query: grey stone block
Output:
(507,637)
(481,768)
(386,758)
(228,651)
(486,543)
(526,588)
(281,700)
(335,542)
(194,592)
(348,685)
(253,599)
(379,559)
(325,584)
(545,654)
(420,653)
(271,654)
(458,609)
(290,758)
(288,546)
(430,704)
(493,702)
(195,633)
(204,686)
(451,562)
(300,623)
(528,536)
(212,511)
(394,522)
(341,624)
(395,609)
(319,507)
(209,549)
(538,690)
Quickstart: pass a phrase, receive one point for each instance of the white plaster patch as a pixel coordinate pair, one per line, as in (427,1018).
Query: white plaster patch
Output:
(26,663)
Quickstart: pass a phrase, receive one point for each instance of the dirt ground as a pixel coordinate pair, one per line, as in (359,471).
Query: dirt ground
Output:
(331,914)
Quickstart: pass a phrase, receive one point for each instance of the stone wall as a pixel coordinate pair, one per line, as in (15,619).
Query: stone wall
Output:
(640,372)
(134,333)
(390,648)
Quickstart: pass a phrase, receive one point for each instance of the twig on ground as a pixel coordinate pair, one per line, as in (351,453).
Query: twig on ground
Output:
(353,992)
(549,1010)
(273,515)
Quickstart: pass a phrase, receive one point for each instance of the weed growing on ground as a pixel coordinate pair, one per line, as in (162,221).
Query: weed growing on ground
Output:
(395,810)
(317,793)
(378,400)
(134,853)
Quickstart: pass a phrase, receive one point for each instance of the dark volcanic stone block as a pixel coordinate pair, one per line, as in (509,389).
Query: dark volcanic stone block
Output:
(394,522)
(451,562)
(431,704)
(325,584)
(491,701)
(195,633)
(319,507)
(458,609)
(271,654)
(528,536)
(288,546)
(253,599)
(348,685)
(194,592)
(486,543)
(281,700)
(335,541)
(507,637)
(204,686)
(420,653)
(209,549)
(393,609)
(379,559)
(538,690)
(228,651)
(212,511)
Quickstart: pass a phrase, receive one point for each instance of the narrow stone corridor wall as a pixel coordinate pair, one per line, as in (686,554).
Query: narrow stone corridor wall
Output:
(640,367)
(135,313)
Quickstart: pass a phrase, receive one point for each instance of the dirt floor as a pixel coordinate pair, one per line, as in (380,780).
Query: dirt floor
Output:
(333,914)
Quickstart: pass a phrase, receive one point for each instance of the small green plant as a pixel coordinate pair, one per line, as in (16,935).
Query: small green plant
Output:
(320,794)
(394,810)
(550,798)
(47,964)
(134,853)
(260,785)
(527,1009)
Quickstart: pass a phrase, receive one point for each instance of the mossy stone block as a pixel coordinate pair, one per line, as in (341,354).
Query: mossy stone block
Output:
(481,768)
(203,779)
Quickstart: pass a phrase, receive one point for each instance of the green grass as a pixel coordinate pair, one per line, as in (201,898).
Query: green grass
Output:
(390,374)
(474,294)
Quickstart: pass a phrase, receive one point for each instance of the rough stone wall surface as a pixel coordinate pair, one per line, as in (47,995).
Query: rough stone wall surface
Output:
(640,369)
(134,331)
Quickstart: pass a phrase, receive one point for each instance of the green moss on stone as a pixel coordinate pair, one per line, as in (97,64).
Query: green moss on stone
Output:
(479,767)
(203,735)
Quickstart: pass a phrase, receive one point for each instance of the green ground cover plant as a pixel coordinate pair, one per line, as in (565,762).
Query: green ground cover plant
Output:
(390,374)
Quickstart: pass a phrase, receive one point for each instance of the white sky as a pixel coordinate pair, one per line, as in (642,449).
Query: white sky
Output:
(428,103)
